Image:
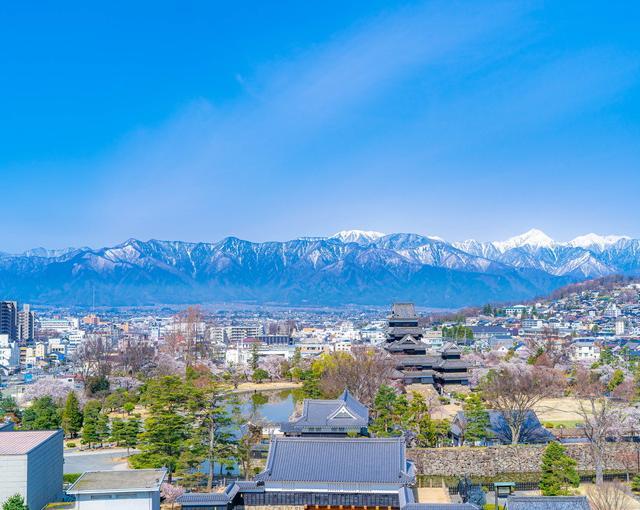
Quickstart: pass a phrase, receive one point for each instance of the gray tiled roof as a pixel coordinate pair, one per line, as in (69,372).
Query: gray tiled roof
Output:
(203,499)
(22,442)
(403,311)
(380,460)
(547,503)
(328,414)
(210,498)
(440,506)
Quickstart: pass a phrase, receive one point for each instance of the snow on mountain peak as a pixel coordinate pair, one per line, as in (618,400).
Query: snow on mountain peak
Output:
(357,236)
(534,237)
(592,239)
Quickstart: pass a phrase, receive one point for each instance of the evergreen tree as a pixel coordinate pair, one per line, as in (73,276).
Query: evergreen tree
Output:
(130,433)
(310,384)
(9,407)
(212,441)
(255,357)
(167,426)
(90,430)
(260,375)
(616,379)
(477,418)
(15,502)
(559,473)
(117,431)
(43,414)
(72,416)
(419,421)
(384,413)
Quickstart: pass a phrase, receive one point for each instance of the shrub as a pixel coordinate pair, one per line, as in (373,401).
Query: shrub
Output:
(71,477)
(71,445)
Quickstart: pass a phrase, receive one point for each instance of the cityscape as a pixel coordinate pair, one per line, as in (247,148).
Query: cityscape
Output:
(377,255)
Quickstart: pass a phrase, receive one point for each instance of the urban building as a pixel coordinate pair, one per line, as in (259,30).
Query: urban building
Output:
(26,324)
(9,319)
(31,464)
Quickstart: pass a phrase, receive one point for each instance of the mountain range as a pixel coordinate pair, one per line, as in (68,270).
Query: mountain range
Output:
(350,267)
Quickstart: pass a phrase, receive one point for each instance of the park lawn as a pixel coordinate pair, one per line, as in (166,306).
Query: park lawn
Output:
(558,409)
(567,424)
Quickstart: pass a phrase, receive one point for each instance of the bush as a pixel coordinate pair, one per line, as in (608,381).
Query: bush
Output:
(15,502)
(549,425)
(71,477)
(71,445)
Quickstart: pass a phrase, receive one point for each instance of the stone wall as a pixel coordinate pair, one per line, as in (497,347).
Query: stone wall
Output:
(493,460)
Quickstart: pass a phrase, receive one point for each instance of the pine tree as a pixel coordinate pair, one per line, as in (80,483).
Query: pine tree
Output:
(90,431)
(559,473)
(167,426)
(117,431)
(477,418)
(419,421)
(384,407)
(255,357)
(102,428)
(43,414)
(72,416)
(130,433)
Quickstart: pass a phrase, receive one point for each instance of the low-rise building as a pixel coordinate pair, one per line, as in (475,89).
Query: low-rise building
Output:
(122,490)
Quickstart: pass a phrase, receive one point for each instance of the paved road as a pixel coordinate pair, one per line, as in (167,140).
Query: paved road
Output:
(96,460)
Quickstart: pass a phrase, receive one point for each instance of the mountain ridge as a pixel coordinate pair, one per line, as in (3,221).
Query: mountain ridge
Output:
(350,267)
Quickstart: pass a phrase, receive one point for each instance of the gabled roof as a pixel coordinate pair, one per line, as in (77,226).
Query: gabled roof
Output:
(407,341)
(547,503)
(337,461)
(450,348)
(344,412)
(21,442)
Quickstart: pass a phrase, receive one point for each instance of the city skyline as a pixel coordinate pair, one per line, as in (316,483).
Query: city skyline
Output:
(456,120)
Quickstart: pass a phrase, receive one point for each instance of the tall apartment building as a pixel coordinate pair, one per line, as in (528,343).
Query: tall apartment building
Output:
(26,323)
(9,319)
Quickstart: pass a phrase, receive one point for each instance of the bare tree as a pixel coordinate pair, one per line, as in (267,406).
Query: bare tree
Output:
(514,391)
(362,373)
(92,358)
(609,496)
(134,355)
(601,414)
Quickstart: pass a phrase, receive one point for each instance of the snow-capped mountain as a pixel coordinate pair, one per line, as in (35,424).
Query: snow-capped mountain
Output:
(349,267)
(533,238)
(357,236)
(591,241)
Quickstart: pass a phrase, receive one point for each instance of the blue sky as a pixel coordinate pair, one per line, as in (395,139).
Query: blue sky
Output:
(272,120)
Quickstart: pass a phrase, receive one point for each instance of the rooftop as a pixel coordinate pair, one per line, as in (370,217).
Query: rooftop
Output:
(119,481)
(345,411)
(403,311)
(380,460)
(23,441)
(547,503)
